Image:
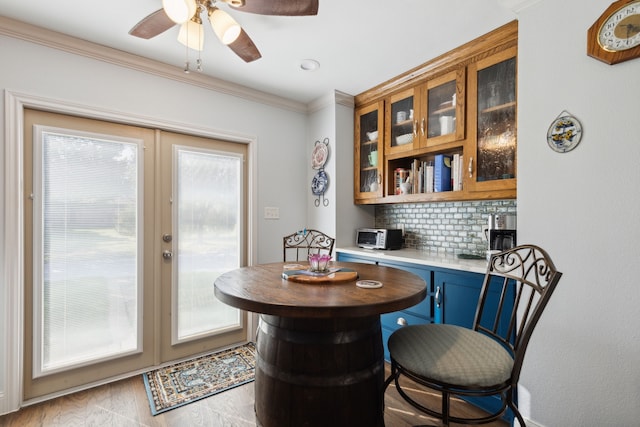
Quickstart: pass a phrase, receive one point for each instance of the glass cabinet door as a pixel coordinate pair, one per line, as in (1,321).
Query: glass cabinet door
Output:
(368,152)
(493,165)
(444,119)
(402,122)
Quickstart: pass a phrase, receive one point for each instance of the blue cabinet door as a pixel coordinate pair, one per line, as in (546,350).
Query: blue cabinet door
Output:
(457,296)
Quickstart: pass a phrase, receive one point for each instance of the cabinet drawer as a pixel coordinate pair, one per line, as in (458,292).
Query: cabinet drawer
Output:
(398,319)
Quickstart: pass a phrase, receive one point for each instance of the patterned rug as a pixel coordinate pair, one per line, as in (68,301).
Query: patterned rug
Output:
(178,385)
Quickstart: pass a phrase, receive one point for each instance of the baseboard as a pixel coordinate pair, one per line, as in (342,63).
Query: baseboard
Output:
(530,423)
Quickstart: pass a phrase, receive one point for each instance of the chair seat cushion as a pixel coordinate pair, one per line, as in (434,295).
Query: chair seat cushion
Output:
(451,354)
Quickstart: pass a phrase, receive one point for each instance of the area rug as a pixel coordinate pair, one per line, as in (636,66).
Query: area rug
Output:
(178,385)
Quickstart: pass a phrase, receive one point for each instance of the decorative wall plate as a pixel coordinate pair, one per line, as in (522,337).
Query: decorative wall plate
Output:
(319,155)
(319,183)
(565,133)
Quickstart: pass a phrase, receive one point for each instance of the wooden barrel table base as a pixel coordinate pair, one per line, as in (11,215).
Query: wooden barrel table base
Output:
(305,368)
(320,360)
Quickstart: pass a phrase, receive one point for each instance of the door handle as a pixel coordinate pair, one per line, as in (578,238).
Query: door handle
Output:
(167,254)
(438,297)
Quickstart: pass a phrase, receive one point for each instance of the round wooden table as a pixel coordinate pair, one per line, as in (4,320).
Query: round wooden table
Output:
(320,358)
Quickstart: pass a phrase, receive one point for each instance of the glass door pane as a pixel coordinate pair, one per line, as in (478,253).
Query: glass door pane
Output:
(496,131)
(87,272)
(369,164)
(207,212)
(441,115)
(403,127)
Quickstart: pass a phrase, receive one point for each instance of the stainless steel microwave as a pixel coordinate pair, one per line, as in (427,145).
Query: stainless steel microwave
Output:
(379,238)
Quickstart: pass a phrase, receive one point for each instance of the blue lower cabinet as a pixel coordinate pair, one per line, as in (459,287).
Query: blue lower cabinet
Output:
(352,258)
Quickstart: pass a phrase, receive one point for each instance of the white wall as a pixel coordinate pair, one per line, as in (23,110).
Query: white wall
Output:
(349,216)
(332,117)
(582,367)
(321,125)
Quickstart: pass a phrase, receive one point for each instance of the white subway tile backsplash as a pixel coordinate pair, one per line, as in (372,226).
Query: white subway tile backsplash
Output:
(454,227)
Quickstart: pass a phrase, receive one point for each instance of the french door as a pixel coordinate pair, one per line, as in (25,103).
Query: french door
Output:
(126,229)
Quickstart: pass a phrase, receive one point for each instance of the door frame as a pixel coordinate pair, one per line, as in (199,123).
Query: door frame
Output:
(13,244)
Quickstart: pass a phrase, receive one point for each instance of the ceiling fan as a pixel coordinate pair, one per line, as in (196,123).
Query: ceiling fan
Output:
(187,13)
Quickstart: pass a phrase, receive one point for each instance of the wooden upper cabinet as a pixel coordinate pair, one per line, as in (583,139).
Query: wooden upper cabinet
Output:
(458,109)
(427,115)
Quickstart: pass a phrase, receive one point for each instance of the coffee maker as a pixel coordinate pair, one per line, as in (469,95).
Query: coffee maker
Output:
(501,232)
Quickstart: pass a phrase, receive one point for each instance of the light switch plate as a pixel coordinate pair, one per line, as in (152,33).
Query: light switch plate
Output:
(271,213)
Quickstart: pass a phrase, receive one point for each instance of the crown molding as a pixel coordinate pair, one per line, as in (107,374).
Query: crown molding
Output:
(27,32)
(331,99)
(345,99)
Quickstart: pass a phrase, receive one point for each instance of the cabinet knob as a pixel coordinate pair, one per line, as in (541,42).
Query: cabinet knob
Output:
(470,167)
(422,126)
(438,297)
(402,321)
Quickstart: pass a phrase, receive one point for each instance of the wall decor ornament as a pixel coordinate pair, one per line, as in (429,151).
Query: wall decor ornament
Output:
(320,181)
(565,133)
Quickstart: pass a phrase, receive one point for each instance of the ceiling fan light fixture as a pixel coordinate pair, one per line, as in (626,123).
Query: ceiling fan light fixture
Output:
(179,11)
(225,27)
(192,35)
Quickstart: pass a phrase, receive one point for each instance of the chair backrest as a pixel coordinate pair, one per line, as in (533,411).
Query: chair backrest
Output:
(516,289)
(306,242)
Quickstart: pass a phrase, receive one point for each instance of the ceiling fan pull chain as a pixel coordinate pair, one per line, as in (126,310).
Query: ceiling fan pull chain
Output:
(186,54)
(199,61)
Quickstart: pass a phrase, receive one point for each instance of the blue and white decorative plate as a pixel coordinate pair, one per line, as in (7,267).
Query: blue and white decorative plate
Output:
(565,133)
(319,183)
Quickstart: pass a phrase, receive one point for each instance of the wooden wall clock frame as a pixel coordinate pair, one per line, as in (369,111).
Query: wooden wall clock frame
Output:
(613,56)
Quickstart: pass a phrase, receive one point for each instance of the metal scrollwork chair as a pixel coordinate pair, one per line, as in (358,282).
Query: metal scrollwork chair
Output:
(487,359)
(306,242)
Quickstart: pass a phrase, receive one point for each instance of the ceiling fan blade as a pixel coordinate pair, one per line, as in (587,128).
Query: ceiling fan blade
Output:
(152,25)
(280,7)
(244,47)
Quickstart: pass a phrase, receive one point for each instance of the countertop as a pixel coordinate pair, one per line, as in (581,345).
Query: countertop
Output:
(428,258)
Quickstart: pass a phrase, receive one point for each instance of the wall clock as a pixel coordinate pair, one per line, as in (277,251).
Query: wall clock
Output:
(615,36)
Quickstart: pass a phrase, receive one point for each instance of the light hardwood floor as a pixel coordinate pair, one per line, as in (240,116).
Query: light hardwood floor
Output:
(124,404)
